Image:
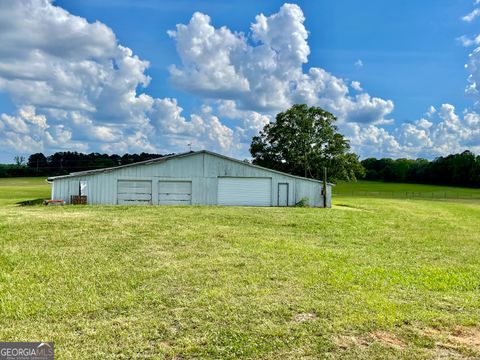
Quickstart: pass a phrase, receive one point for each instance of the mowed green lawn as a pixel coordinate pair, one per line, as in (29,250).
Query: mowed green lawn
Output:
(14,190)
(371,278)
(399,190)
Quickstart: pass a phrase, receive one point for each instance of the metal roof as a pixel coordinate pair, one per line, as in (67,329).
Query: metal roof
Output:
(175,156)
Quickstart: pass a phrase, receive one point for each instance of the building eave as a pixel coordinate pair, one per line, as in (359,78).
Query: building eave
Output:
(176,156)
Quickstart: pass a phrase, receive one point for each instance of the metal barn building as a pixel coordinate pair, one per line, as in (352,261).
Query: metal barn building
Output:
(198,178)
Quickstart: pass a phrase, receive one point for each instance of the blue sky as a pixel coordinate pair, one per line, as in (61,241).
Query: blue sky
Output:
(379,66)
(409,49)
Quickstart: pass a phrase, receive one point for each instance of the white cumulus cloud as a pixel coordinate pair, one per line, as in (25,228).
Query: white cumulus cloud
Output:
(471,15)
(263,71)
(77,88)
(356,86)
(446,133)
(203,130)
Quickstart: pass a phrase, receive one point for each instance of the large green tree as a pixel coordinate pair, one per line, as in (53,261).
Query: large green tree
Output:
(302,141)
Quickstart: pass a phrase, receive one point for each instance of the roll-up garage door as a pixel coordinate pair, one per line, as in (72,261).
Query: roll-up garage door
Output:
(245,191)
(134,192)
(174,192)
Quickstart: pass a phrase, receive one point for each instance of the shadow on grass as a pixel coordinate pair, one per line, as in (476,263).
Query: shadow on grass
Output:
(358,208)
(30,202)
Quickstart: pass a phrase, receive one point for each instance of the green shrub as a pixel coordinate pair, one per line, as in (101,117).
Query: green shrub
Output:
(303,202)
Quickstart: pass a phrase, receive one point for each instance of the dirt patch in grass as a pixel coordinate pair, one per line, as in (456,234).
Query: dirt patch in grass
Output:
(350,341)
(445,354)
(387,339)
(469,337)
(458,342)
(303,317)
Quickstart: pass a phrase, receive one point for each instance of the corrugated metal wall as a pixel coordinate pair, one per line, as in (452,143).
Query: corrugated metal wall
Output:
(202,169)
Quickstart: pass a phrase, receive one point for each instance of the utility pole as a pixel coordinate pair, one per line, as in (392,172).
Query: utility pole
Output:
(305,163)
(324,187)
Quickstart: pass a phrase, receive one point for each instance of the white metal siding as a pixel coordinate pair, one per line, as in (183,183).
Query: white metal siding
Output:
(309,190)
(174,192)
(134,192)
(202,169)
(245,191)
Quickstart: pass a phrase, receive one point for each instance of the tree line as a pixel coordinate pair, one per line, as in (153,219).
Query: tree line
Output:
(302,141)
(454,170)
(62,163)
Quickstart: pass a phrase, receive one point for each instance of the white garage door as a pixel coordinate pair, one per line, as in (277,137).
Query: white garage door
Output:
(134,192)
(174,192)
(245,191)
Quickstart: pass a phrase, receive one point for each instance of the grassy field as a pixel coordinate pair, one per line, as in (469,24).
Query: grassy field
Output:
(411,191)
(371,278)
(14,190)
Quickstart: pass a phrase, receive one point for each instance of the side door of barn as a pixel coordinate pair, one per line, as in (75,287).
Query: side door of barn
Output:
(282,194)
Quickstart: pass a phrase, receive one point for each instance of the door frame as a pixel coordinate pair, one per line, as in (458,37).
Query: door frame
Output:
(278,192)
